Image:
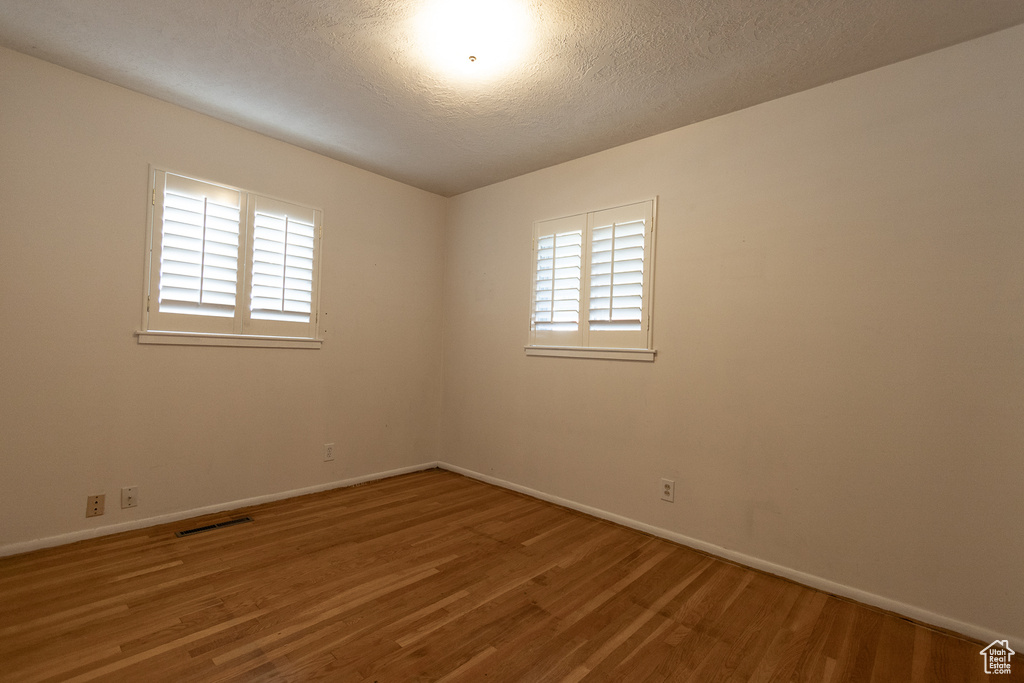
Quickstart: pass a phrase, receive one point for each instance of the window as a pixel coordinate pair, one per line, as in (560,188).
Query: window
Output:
(592,284)
(229,267)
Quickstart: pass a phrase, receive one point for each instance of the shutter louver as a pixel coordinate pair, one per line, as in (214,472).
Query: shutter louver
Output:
(282,266)
(558,282)
(199,248)
(617,276)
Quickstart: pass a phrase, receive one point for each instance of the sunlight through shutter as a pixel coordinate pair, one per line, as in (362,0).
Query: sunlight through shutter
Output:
(284,238)
(592,284)
(225,263)
(617,276)
(558,281)
(199,248)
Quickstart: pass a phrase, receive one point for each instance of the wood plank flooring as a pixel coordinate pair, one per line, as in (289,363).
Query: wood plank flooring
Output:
(435,577)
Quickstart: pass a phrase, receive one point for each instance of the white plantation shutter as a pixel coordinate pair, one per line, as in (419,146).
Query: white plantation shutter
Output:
(614,280)
(196,255)
(620,265)
(227,262)
(617,277)
(282,287)
(282,264)
(199,248)
(558,280)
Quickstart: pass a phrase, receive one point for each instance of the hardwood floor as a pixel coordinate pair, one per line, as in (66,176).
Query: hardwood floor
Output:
(435,577)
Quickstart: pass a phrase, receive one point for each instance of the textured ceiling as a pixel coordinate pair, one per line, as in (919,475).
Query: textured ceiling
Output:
(345,78)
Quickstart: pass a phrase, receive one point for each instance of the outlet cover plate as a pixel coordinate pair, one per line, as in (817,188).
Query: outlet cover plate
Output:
(668,490)
(94,505)
(129,496)
(328,452)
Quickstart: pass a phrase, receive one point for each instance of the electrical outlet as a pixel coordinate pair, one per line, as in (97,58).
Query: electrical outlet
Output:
(668,490)
(94,505)
(129,496)
(328,452)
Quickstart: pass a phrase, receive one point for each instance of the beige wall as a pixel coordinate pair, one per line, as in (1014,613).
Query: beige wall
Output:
(839,318)
(84,409)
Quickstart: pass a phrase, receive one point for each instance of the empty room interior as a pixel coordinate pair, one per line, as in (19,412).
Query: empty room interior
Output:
(789,449)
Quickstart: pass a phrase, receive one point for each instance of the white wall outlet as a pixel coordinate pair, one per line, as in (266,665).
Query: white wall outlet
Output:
(94,505)
(129,496)
(668,490)
(328,452)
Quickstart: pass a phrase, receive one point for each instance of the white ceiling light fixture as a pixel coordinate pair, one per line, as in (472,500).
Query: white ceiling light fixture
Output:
(474,39)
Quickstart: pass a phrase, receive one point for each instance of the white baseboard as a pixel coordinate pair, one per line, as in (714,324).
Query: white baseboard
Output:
(916,613)
(63,539)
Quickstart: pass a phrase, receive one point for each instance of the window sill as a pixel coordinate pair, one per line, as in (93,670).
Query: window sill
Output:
(206,339)
(587,352)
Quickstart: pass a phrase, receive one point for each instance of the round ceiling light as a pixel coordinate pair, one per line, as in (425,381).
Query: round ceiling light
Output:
(474,38)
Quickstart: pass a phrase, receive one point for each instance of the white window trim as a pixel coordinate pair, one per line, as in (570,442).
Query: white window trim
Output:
(588,352)
(645,354)
(145,335)
(236,340)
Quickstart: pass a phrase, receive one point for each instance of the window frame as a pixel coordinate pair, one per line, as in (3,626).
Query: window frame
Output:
(240,330)
(585,342)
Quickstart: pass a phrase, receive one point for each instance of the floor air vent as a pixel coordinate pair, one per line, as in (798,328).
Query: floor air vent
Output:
(211,527)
